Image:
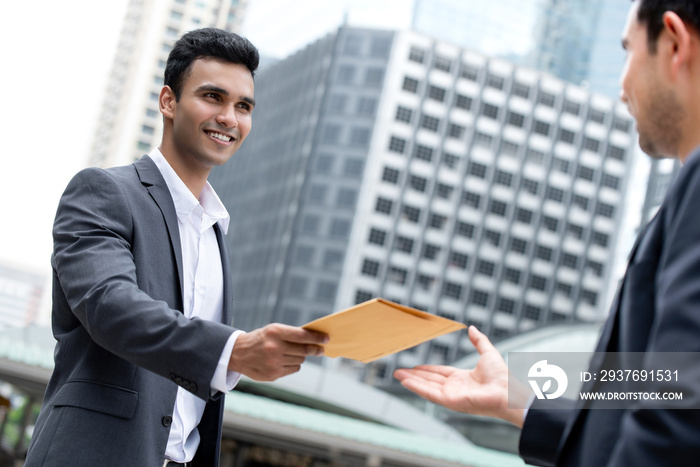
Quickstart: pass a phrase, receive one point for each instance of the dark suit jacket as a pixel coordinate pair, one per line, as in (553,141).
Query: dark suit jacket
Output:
(657,309)
(123,344)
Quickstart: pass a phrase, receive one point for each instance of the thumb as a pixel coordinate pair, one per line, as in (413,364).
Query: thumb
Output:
(480,341)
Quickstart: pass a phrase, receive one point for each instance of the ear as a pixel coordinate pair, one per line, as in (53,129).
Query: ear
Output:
(677,41)
(167,102)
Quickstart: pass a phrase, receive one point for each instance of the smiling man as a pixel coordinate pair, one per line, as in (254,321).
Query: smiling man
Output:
(141,294)
(657,308)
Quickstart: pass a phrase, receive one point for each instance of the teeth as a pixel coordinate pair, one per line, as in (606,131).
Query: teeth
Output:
(221,137)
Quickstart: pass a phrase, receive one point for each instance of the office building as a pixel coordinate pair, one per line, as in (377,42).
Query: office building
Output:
(21,295)
(130,123)
(391,164)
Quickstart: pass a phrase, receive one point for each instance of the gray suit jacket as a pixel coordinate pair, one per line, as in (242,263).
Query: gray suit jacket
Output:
(123,344)
(657,309)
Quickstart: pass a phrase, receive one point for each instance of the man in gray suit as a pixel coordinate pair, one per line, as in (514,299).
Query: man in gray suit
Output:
(657,308)
(141,295)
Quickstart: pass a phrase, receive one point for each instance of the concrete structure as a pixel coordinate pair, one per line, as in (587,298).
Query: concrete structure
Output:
(21,294)
(392,164)
(130,123)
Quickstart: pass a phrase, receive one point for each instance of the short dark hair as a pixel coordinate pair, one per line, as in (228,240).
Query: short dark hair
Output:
(211,43)
(651,14)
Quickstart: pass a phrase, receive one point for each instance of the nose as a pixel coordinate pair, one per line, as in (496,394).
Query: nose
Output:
(227,117)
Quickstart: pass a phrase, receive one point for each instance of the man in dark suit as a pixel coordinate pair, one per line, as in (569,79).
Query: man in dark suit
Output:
(141,295)
(657,308)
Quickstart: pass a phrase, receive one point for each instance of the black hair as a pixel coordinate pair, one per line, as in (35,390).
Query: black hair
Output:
(211,43)
(651,12)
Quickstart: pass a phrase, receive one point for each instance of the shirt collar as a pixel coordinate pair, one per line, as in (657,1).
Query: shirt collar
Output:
(185,202)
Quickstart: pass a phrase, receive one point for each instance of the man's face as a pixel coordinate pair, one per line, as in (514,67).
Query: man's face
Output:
(213,115)
(648,95)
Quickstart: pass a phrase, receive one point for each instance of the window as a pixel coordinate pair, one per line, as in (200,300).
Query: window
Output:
(464,229)
(544,253)
(600,239)
(605,210)
(458,260)
(346,197)
(390,175)
(452,290)
(595,267)
(337,103)
(496,82)
(574,230)
(498,208)
(410,85)
(567,136)
(477,169)
(430,123)
(463,102)
(430,251)
(359,136)
(310,224)
(325,291)
(324,164)
(555,194)
(425,282)
(450,160)
(585,173)
(541,128)
(416,54)
(485,267)
(580,201)
(489,110)
(571,107)
(384,205)
(530,186)
(591,144)
(352,166)
(404,114)
(346,74)
(597,116)
(564,289)
(568,260)
(147,129)
(532,312)
(317,193)
(611,181)
(304,255)
(518,245)
(538,282)
(423,152)
(550,223)
(366,106)
(521,90)
(397,145)
(590,297)
(516,119)
(621,124)
(483,139)
(397,275)
(374,77)
(380,47)
(561,165)
(370,268)
(404,244)
(377,237)
(437,221)
(503,178)
(505,305)
(418,183)
(492,237)
(546,99)
(479,297)
(331,134)
(442,63)
(471,199)
(512,275)
(523,215)
(436,93)
(362,296)
(352,45)
(534,156)
(411,214)
(444,191)
(455,131)
(509,148)
(615,152)
(469,72)
(297,286)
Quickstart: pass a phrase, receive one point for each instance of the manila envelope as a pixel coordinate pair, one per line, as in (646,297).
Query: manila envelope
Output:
(377,328)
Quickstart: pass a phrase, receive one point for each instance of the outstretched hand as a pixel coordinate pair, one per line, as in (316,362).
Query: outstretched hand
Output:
(274,351)
(479,391)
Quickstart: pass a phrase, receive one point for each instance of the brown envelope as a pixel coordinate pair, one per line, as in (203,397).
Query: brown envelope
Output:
(377,328)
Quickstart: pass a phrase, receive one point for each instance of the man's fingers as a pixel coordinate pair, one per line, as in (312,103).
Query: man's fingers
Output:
(480,341)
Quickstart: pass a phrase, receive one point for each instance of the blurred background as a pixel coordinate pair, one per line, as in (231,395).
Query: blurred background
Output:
(472,160)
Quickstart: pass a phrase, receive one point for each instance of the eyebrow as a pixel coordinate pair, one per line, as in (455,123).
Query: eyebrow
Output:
(224,92)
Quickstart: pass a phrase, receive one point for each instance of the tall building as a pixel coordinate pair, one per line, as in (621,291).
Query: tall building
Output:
(130,123)
(575,40)
(21,295)
(391,164)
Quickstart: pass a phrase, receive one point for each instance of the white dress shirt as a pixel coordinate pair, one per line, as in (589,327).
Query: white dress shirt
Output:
(202,296)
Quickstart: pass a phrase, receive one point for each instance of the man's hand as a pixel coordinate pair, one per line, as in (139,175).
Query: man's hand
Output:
(480,391)
(274,351)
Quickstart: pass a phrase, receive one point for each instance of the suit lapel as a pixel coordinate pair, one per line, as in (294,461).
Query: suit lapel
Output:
(153,181)
(227,311)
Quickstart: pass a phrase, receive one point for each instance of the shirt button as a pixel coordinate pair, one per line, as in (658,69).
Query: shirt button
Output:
(167,420)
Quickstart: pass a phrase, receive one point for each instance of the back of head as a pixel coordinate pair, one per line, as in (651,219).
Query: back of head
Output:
(211,43)
(650,13)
